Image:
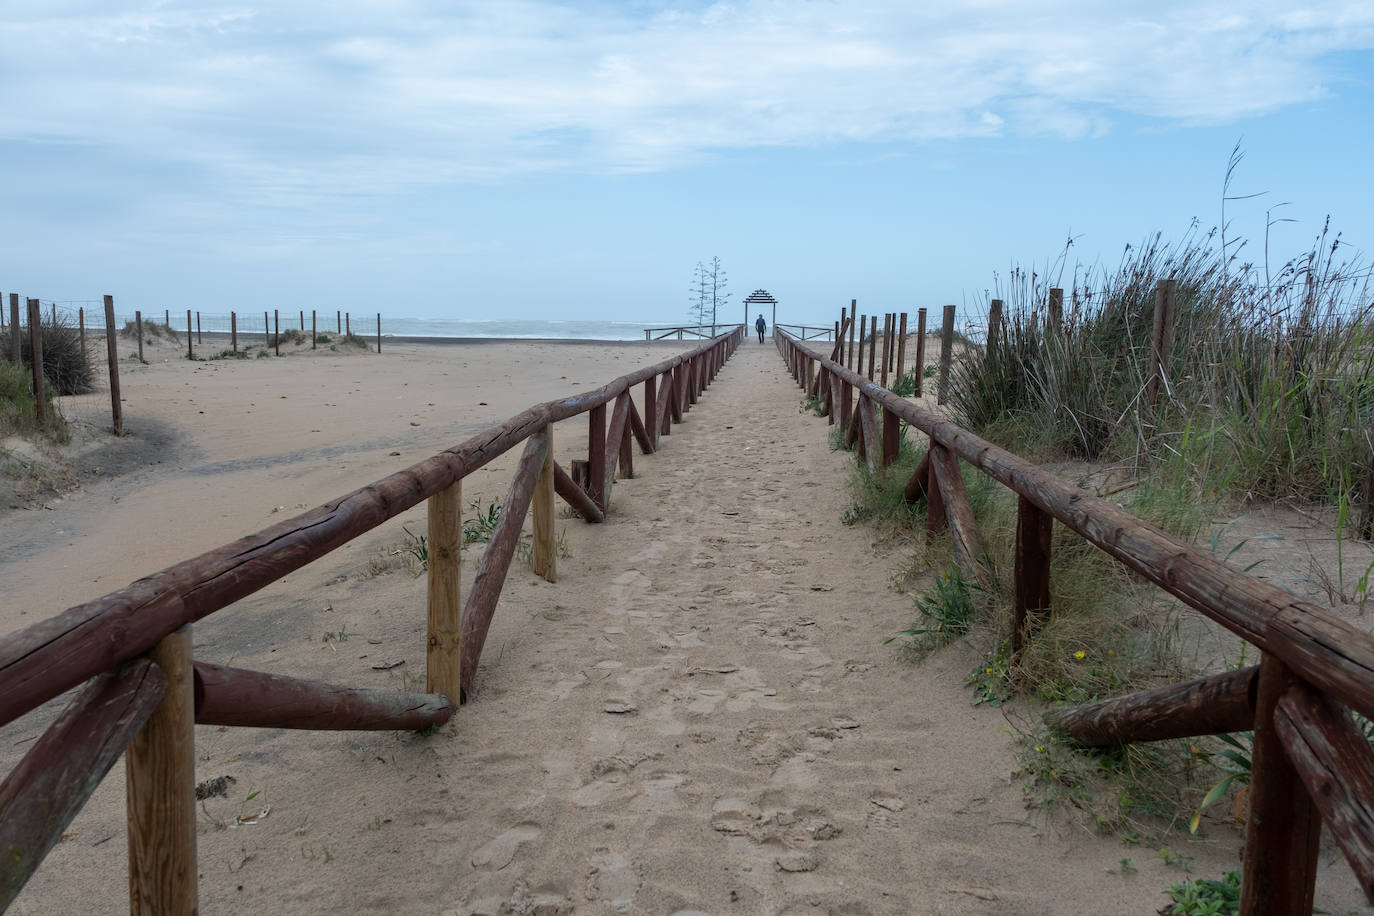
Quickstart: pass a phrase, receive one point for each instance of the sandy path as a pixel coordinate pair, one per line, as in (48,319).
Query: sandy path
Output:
(699,717)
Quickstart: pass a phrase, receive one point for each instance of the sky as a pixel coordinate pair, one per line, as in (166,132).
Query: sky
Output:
(542,160)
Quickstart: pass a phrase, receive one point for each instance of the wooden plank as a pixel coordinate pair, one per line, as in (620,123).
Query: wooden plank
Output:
(872,346)
(946,353)
(920,366)
(641,434)
(575,496)
(544,558)
(491,574)
(651,413)
(1034,549)
(887,346)
(255,699)
(1283,834)
(1334,761)
(1213,705)
(935,500)
(620,421)
(916,486)
(43,793)
(40,398)
(968,547)
(870,446)
(627,448)
(444,606)
(160,775)
(596,455)
(892,436)
(853,307)
(901,348)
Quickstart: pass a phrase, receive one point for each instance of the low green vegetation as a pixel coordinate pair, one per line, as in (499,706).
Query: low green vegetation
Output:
(152,330)
(66,365)
(18,416)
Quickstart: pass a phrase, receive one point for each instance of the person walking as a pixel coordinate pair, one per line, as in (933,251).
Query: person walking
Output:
(760,326)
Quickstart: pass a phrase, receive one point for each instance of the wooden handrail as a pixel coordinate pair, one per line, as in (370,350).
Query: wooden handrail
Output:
(1321,648)
(51,656)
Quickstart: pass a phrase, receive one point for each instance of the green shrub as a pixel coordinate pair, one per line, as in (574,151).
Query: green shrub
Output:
(17,415)
(65,365)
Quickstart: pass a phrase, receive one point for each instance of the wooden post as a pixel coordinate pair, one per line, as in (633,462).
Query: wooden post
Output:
(901,348)
(935,499)
(379,332)
(849,358)
(919,368)
(302,318)
(1165,293)
(160,768)
(545,555)
(276,332)
(40,402)
(348,325)
(199,338)
(1034,547)
(338,322)
(266,331)
(138,329)
(872,345)
(596,455)
(54,313)
(15,355)
(994,324)
(651,410)
(234,331)
(892,436)
(444,652)
(166,316)
(81,331)
(313,326)
(1212,705)
(946,352)
(1284,831)
(887,345)
(112,351)
(1054,318)
(863,329)
(190,341)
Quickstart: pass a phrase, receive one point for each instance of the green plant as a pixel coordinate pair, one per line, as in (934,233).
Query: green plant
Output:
(929,371)
(230,354)
(1206,896)
(322,338)
(812,404)
(905,386)
(417,545)
(151,330)
(1234,761)
(66,366)
(478,528)
(17,408)
(946,612)
(991,680)
(353,340)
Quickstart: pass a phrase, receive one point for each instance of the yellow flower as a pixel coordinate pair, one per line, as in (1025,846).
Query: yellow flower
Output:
(1040,748)
(1080,655)
(1110,653)
(989,671)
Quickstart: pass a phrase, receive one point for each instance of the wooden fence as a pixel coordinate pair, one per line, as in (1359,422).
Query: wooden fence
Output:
(1311,763)
(146,693)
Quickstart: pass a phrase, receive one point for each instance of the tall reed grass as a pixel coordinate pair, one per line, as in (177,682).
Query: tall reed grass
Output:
(1268,390)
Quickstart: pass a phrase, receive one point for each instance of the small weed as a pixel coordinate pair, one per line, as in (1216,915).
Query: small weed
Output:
(479,528)
(1206,896)
(946,612)
(417,545)
(905,386)
(322,338)
(992,679)
(812,404)
(263,354)
(1128,867)
(229,354)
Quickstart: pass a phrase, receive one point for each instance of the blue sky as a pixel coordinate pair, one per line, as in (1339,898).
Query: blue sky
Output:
(544,160)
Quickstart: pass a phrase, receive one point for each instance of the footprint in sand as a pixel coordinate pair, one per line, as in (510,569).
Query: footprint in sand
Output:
(498,853)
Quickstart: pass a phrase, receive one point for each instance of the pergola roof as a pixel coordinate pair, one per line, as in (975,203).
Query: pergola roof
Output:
(760,296)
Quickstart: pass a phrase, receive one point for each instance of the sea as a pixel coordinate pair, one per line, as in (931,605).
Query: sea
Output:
(521,329)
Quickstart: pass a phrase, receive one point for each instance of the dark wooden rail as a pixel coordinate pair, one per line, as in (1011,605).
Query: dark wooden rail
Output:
(1309,762)
(148,692)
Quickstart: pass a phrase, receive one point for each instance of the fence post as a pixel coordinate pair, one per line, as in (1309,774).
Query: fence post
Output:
(190,345)
(379,332)
(166,316)
(444,643)
(901,349)
(651,409)
(596,455)
(138,329)
(313,335)
(1284,831)
(266,331)
(302,324)
(276,332)
(887,345)
(15,356)
(160,767)
(348,324)
(112,350)
(1165,293)
(919,369)
(234,332)
(849,357)
(54,313)
(338,322)
(544,559)
(81,331)
(872,345)
(946,352)
(199,339)
(994,323)
(1034,546)
(40,403)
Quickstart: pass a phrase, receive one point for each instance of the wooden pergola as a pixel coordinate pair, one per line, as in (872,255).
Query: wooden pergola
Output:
(760,297)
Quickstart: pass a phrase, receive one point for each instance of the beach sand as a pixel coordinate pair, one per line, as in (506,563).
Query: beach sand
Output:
(700,716)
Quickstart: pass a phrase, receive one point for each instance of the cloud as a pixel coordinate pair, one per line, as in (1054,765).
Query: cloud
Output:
(294,102)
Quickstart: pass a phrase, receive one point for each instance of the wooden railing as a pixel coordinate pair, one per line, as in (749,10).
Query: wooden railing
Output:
(146,692)
(694,330)
(1310,762)
(807,332)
